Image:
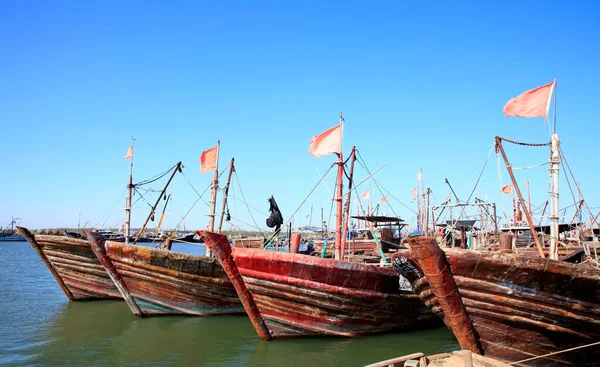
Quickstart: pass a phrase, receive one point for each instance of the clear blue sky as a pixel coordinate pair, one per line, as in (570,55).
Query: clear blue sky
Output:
(421,84)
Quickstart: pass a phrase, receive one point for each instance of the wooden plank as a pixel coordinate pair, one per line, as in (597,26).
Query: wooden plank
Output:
(31,239)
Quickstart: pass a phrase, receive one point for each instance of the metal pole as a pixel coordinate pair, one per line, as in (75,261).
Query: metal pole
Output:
(225,193)
(338,215)
(213,200)
(347,205)
(554,164)
(128,199)
(514,181)
(177,168)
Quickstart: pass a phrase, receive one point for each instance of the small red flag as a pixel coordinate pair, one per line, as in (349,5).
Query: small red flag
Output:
(129,154)
(208,159)
(507,189)
(533,103)
(383,199)
(527,184)
(327,142)
(366,195)
(414,192)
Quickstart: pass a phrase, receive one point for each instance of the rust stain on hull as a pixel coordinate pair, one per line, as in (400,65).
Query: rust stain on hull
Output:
(300,295)
(162,282)
(522,306)
(74,266)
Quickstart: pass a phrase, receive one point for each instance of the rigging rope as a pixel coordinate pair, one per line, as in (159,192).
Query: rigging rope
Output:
(155,178)
(529,167)
(109,210)
(524,144)
(304,201)
(364,165)
(246,203)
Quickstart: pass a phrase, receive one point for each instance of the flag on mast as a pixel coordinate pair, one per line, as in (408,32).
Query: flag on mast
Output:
(129,154)
(383,199)
(532,103)
(415,192)
(208,159)
(366,195)
(327,142)
(507,189)
(419,176)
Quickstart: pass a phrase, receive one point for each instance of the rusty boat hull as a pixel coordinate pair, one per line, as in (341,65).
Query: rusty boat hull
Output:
(162,282)
(299,295)
(74,266)
(517,307)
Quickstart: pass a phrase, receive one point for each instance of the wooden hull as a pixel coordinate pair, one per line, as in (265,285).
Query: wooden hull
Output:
(520,307)
(300,295)
(161,282)
(74,266)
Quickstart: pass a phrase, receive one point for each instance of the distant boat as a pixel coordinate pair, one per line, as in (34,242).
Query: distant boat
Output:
(9,234)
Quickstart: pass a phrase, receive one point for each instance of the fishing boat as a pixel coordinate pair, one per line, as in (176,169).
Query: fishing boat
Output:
(9,234)
(460,358)
(509,306)
(530,309)
(74,266)
(287,294)
(73,263)
(158,281)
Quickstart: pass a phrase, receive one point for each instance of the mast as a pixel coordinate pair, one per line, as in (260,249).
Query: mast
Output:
(177,168)
(128,199)
(339,209)
(162,215)
(213,199)
(347,206)
(225,193)
(514,181)
(554,162)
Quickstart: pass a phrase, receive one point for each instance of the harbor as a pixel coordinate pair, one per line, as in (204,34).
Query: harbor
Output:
(379,185)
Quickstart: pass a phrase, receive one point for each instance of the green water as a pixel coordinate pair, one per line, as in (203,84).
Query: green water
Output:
(39,326)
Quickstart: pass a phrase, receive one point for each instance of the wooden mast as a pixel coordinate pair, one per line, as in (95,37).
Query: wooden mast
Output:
(129,195)
(213,199)
(339,209)
(162,193)
(347,205)
(225,193)
(514,181)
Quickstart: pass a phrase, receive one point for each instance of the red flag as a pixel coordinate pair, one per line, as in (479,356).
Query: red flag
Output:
(419,176)
(327,142)
(414,192)
(366,195)
(129,154)
(507,189)
(208,159)
(447,198)
(533,103)
(527,184)
(383,199)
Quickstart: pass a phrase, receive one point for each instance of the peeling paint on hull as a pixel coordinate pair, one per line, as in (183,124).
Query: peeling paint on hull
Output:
(74,266)
(300,295)
(162,282)
(522,307)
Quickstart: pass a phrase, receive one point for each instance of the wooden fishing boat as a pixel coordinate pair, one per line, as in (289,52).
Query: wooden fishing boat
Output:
(511,307)
(459,358)
(74,266)
(162,282)
(288,294)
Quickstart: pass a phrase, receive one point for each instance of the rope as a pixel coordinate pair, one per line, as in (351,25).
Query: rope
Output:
(246,203)
(554,353)
(529,167)
(481,173)
(576,184)
(524,144)
(362,163)
(304,201)
(155,178)
(109,211)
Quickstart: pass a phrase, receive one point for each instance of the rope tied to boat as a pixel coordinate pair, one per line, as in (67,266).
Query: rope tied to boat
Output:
(524,144)
(554,353)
